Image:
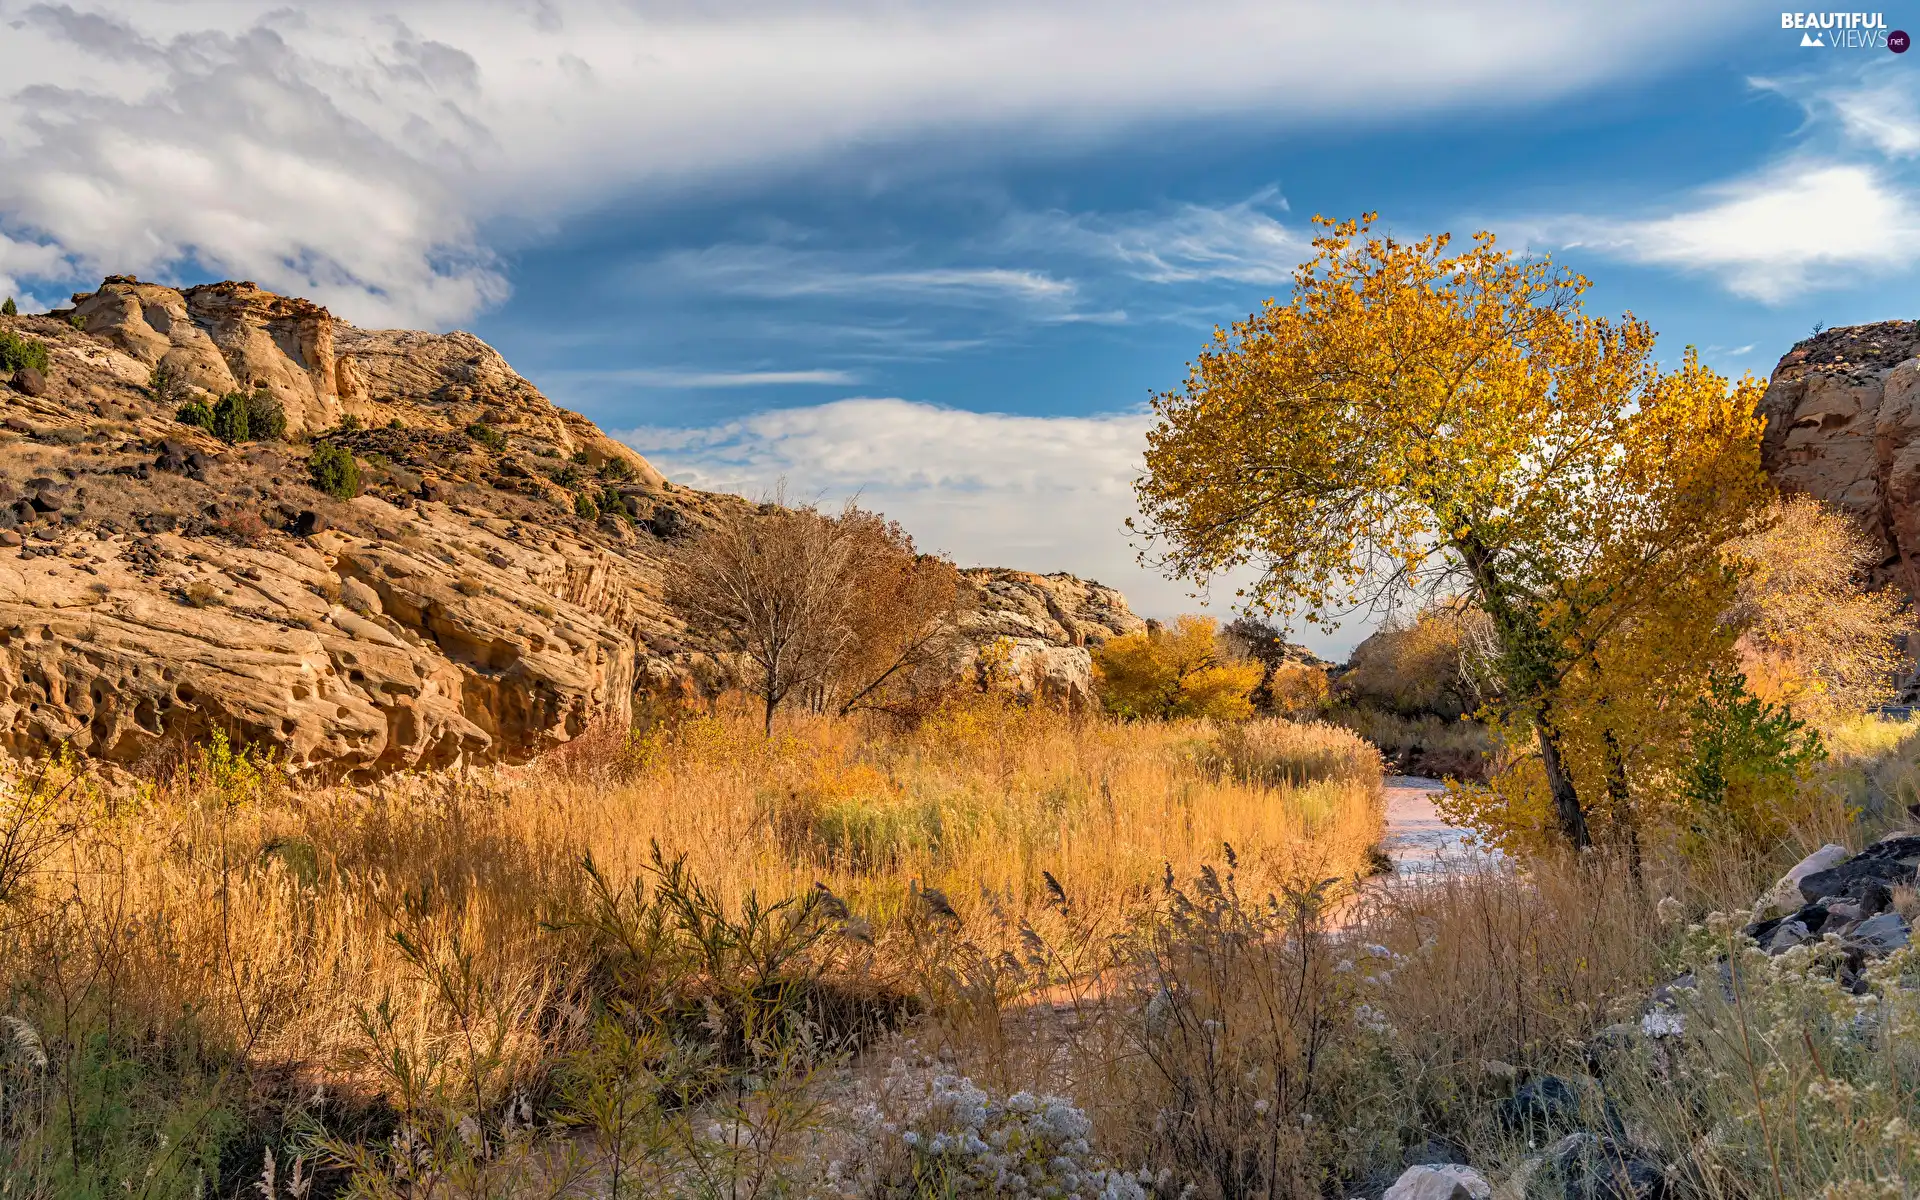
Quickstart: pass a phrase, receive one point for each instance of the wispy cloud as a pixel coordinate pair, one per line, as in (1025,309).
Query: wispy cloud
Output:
(664,377)
(776,272)
(357,153)
(1187,243)
(1843,207)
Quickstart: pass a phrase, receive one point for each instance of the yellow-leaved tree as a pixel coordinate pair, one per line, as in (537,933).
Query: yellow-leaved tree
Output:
(1417,417)
(1179,672)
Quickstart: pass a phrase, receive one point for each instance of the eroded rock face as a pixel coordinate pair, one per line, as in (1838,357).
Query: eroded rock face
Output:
(1042,630)
(157,585)
(1843,426)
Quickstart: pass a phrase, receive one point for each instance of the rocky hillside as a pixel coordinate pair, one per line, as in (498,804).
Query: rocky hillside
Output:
(1843,425)
(493,592)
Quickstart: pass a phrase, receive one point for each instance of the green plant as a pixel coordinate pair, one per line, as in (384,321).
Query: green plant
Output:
(585,508)
(9,309)
(396,423)
(195,413)
(617,469)
(230,418)
(487,436)
(266,416)
(350,422)
(611,501)
(1749,759)
(77,321)
(17,352)
(168,387)
(334,470)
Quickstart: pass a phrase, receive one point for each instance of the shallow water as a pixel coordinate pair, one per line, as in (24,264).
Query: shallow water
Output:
(1419,841)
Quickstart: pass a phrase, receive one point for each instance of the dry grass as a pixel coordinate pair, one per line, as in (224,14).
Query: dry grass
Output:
(408,944)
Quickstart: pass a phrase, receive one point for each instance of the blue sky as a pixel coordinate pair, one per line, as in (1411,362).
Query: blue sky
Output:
(940,254)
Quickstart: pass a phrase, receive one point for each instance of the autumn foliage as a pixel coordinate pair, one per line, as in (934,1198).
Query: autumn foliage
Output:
(1183,671)
(1456,422)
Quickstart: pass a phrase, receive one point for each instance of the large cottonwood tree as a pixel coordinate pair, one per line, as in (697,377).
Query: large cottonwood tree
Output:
(1416,417)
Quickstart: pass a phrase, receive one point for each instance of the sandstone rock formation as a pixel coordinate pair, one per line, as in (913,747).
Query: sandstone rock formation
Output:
(494,592)
(1843,425)
(1046,626)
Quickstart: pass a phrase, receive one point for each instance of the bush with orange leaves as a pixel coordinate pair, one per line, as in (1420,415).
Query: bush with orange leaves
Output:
(1182,671)
(1817,637)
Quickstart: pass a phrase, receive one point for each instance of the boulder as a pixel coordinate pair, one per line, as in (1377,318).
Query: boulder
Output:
(1880,934)
(30,381)
(1442,1182)
(1857,878)
(1786,893)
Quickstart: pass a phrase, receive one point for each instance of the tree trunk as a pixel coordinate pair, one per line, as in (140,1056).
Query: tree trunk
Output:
(773,701)
(1618,792)
(1566,802)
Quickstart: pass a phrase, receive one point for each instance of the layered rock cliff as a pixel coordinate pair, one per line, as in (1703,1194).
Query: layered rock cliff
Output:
(1843,425)
(494,592)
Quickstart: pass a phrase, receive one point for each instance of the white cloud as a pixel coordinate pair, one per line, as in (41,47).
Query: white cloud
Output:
(1803,224)
(353,152)
(1036,493)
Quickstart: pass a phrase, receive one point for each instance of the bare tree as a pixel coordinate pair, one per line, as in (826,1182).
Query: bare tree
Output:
(902,607)
(839,609)
(769,585)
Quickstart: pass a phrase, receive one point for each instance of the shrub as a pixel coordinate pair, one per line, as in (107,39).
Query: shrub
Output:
(9,309)
(487,436)
(1276,752)
(334,470)
(1815,636)
(585,508)
(266,416)
(201,594)
(469,585)
(17,352)
(170,388)
(617,469)
(349,422)
(195,413)
(1427,665)
(611,501)
(230,418)
(1749,760)
(1179,672)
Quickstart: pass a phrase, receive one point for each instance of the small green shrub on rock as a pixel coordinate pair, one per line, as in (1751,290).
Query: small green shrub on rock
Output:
(334,470)
(17,352)
(585,508)
(230,418)
(9,309)
(195,413)
(487,436)
(266,416)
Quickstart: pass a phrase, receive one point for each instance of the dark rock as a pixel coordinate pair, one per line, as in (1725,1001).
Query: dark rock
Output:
(1585,1166)
(308,523)
(49,499)
(1809,919)
(23,512)
(1904,848)
(1551,1104)
(667,522)
(180,458)
(30,381)
(1852,879)
(9,538)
